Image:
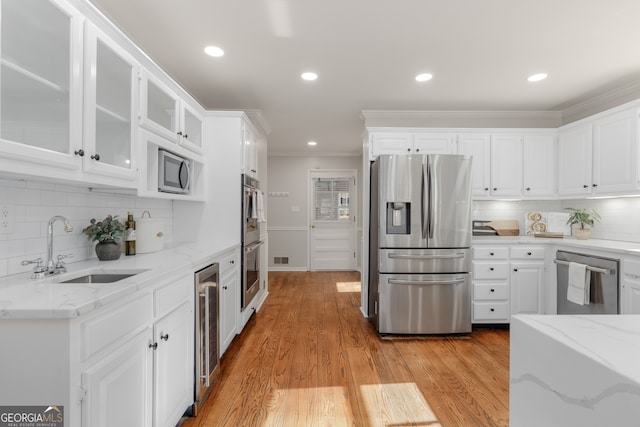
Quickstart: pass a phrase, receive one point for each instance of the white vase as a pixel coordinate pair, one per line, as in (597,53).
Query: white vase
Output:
(582,233)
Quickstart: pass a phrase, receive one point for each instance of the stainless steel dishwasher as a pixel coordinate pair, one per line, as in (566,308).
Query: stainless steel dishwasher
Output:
(605,285)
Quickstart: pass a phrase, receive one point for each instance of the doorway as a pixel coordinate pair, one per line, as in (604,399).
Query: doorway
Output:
(332,222)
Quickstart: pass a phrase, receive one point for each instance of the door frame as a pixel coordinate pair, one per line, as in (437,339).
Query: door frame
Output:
(332,173)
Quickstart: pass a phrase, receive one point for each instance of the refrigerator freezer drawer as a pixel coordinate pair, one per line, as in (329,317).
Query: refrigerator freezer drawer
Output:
(424,260)
(424,304)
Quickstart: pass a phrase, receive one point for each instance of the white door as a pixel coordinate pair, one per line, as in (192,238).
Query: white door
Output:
(332,220)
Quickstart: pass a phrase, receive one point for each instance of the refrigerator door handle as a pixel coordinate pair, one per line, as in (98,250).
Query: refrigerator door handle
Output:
(437,256)
(426,282)
(426,196)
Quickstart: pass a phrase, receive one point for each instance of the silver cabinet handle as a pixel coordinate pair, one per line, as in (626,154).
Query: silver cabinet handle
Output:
(437,256)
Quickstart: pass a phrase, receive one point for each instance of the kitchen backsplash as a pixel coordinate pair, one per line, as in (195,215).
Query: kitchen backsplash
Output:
(32,204)
(620,216)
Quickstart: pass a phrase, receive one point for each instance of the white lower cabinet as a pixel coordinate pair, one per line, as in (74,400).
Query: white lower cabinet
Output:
(526,281)
(229,298)
(630,287)
(117,389)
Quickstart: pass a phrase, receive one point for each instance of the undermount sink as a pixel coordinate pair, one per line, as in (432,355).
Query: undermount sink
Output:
(103,277)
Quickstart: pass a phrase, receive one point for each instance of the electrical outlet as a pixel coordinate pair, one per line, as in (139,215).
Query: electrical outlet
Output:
(6,220)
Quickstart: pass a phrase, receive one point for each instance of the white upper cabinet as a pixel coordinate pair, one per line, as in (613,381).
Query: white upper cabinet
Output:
(574,160)
(538,166)
(40,85)
(249,152)
(506,165)
(478,146)
(111,100)
(412,142)
(162,111)
(615,153)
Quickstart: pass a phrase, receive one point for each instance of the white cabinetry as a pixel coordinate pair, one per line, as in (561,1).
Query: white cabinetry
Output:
(538,166)
(490,302)
(526,279)
(630,287)
(506,165)
(110,110)
(599,155)
(478,146)
(164,112)
(229,298)
(412,142)
(249,152)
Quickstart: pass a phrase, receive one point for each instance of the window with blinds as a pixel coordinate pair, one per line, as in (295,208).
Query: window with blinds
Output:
(331,199)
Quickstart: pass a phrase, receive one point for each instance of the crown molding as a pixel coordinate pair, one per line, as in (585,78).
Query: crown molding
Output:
(597,104)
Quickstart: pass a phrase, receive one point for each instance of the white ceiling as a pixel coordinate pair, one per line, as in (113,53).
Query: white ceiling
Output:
(367,53)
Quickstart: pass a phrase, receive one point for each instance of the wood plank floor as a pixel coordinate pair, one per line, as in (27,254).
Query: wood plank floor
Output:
(309,358)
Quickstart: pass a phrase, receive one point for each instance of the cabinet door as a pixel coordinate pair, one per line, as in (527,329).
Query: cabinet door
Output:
(250,153)
(478,146)
(118,388)
(506,165)
(229,307)
(574,160)
(631,296)
(191,128)
(111,89)
(40,88)
(526,288)
(615,153)
(390,143)
(174,371)
(433,143)
(539,165)
(159,108)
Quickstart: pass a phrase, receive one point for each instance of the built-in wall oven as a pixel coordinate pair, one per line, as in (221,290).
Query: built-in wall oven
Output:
(207,351)
(250,240)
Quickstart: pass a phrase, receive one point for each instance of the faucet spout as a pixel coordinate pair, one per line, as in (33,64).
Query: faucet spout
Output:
(67,228)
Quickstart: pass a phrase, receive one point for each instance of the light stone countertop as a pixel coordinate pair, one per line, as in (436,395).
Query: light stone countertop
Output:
(626,248)
(578,370)
(22,297)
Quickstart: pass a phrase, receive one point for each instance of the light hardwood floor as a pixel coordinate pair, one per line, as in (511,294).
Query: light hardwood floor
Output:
(309,358)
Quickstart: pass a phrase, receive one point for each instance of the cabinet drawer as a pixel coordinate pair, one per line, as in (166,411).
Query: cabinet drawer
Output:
(490,270)
(527,253)
(631,268)
(229,262)
(490,291)
(170,296)
(103,330)
(491,311)
(490,252)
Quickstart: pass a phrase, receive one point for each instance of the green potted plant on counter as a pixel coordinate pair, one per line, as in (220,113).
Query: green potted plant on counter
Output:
(108,234)
(579,219)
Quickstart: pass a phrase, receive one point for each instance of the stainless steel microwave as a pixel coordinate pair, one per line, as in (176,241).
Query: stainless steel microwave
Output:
(174,174)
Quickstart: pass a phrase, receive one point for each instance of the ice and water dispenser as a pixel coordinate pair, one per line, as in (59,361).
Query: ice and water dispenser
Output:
(398,218)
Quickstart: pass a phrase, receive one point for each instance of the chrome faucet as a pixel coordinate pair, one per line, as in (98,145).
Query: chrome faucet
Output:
(59,266)
(40,271)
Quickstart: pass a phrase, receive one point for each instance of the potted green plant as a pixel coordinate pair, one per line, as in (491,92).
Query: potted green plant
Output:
(108,234)
(580,218)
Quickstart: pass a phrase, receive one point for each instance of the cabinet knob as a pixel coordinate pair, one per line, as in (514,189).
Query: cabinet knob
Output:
(515,269)
(492,309)
(585,186)
(233,261)
(185,136)
(486,188)
(164,337)
(491,253)
(493,290)
(490,268)
(417,150)
(96,157)
(408,149)
(528,188)
(595,185)
(180,133)
(495,189)
(529,253)
(225,287)
(79,152)
(154,346)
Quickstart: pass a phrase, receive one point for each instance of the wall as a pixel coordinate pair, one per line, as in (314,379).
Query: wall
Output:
(288,230)
(620,219)
(32,204)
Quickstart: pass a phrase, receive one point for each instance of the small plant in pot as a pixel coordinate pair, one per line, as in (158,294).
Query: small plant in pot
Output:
(108,234)
(581,218)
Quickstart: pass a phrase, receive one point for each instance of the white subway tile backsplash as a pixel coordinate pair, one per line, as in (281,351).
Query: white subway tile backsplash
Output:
(32,204)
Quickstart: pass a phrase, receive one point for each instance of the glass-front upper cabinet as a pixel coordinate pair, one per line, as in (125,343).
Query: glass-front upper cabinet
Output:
(111,90)
(40,86)
(166,114)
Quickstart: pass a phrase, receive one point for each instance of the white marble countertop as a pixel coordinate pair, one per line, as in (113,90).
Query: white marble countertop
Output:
(628,248)
(22,297)
(610,340)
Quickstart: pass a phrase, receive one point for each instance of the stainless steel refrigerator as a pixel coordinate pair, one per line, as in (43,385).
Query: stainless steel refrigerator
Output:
(420,238)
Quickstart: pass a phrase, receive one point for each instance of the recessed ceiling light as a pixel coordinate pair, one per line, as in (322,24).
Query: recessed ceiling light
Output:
(309,76)
(213,51)
(424,77)
(537,77)
(312,143)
